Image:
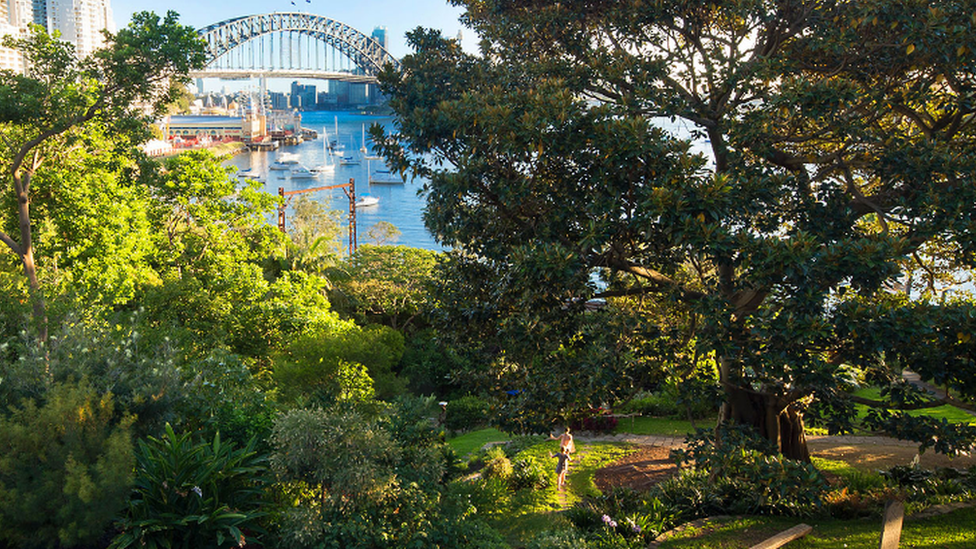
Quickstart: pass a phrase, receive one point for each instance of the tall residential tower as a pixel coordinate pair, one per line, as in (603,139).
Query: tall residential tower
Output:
(15,15)
(79,22)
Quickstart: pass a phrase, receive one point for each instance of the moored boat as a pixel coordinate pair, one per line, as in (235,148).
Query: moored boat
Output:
(285,161)
(367,199)
(301,172)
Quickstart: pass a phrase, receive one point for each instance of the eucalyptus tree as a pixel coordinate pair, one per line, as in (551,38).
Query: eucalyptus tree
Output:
(815,148)
(47,110)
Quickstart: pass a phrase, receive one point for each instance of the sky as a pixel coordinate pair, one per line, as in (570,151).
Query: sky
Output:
(398,16)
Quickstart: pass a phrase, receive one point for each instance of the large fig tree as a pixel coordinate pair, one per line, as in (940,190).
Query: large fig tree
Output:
(754,175)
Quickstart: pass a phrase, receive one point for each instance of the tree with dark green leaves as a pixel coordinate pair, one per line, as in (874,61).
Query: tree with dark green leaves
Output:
(756,173)
(50,109)
(389,285)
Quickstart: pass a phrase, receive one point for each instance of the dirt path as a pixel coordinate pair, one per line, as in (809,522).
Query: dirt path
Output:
(651,462)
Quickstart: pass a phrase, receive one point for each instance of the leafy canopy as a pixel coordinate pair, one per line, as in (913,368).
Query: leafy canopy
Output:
(749,166)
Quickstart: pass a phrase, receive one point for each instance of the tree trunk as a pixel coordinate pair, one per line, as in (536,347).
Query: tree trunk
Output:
(793,443)
(26,253)
(774,419)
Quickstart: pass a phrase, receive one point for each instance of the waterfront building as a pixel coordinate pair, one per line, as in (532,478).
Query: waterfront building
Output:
(349,94)
(328,101)
(188,127)
(279,100)
(285,121)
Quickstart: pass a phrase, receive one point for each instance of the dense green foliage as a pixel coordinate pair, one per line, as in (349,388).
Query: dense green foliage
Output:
(191,495)
(815,153)
(389,284)
(66,467)
(733,470)
(150,305)
(353,479)
(62,106)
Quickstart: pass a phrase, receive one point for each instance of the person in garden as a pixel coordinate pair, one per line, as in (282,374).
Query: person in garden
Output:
(561,467)
(566,445)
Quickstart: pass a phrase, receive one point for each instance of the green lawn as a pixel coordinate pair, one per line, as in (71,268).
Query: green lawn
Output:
(474,440)
(533,514)
(955,530)
(947,412)
(660,426)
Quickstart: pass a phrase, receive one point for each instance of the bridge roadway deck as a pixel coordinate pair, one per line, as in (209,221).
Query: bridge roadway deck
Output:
(245,74)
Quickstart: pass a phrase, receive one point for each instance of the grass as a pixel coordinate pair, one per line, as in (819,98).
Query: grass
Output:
(947,412)
(529,514)
(660,426)
(467,443)
(956,530)
(533,513)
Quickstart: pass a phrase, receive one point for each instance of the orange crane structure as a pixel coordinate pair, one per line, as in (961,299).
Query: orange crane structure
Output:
(348,188)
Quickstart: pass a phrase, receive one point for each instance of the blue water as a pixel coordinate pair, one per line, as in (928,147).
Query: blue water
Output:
(398,204)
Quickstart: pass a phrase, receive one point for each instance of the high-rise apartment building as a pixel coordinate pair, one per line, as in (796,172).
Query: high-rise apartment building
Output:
(14,18)
(80,22)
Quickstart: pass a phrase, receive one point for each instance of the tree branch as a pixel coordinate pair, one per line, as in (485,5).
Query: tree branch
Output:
(14,247)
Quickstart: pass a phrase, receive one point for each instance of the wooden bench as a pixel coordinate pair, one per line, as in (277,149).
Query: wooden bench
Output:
(784,537)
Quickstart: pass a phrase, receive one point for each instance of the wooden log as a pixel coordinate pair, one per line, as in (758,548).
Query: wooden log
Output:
(784,537)
(891,527)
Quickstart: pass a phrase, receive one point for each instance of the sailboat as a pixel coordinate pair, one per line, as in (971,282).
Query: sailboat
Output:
(337,149)
(363,148)
(326,166)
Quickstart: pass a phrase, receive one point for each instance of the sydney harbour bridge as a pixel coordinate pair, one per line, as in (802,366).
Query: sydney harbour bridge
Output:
(291,45)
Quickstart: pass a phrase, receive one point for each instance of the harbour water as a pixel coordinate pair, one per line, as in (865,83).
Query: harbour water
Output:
(398,204)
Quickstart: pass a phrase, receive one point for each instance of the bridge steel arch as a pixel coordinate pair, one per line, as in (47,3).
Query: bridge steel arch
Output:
(363,51)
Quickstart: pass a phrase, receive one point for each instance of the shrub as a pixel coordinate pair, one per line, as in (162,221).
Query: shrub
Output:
(750,475)
(354,479)
(675,400)
(561,539)
(115,357)
(220,394)
(519,443)
(528,474)
(312,370)
(627,516)
(488,497)
(861,482)
(939,485)
(466,413)
(65,469)
(497,464)
(193,494)
(848,504)
(596,420)
(689,495)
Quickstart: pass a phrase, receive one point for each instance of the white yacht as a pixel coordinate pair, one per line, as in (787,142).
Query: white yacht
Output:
(367,199)
(301,172)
